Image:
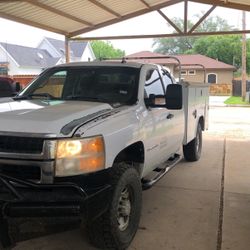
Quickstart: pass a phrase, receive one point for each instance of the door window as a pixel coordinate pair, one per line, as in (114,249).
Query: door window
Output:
(166,78)
(153,83)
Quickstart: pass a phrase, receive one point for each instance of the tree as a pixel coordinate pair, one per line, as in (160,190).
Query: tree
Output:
(213,23)
(248,56)
(175,45)
(106,50)
(224,48)
(182,45)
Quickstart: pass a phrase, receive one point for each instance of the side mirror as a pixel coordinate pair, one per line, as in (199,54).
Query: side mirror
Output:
(18,87)
(155,101)
(174,96)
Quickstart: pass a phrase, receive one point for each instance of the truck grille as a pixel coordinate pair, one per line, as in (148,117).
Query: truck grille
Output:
(25,145)
(21,172)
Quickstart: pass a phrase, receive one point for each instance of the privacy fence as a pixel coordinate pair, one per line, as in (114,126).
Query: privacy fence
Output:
(237,88)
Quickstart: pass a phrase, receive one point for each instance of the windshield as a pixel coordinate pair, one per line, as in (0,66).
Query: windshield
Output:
(102,84)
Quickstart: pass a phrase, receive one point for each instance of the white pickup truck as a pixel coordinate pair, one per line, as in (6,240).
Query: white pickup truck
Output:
(83,139)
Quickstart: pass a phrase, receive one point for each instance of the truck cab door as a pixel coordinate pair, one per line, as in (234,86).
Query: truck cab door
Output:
(158,124)
(176,118)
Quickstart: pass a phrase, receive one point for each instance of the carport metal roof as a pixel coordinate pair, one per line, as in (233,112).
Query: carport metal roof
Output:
(72,18)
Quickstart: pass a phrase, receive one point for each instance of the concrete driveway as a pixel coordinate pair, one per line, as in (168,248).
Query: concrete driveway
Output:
(198,206)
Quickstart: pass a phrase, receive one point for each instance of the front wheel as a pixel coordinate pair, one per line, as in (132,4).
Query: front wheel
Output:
(116,228)
(192,151)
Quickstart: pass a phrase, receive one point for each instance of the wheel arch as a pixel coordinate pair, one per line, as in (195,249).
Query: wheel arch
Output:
(202,122)
(133,153)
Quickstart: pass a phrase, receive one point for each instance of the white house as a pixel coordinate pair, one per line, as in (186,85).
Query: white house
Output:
(79,51)
(22,60)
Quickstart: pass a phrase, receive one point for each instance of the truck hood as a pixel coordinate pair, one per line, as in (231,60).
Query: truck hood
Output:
(46,116)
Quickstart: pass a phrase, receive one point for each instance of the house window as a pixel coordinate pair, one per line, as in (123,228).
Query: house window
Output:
(212,78)
(183,72)
(3,70)
(192,72)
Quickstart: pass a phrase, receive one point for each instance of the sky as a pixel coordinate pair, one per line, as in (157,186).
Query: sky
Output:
(152,23)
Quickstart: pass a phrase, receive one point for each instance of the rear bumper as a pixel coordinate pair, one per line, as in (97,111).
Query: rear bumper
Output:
(20,198)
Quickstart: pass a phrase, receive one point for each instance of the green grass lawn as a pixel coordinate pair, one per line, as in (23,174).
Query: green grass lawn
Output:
(236,100)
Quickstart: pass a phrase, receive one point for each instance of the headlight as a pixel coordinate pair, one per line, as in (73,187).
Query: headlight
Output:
(78,156)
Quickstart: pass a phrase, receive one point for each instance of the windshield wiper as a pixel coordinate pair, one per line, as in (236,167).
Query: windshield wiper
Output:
(30,96)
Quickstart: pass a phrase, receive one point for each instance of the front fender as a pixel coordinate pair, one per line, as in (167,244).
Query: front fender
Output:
(119,131)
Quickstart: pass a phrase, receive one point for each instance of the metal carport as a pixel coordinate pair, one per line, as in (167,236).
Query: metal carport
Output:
(73,18)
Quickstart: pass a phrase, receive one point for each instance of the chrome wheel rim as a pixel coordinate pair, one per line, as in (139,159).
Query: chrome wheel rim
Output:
(124,210)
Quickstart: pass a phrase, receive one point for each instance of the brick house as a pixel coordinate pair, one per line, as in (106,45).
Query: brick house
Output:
(216,72)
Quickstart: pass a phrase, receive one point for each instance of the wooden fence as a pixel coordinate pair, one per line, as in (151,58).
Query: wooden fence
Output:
(237,87)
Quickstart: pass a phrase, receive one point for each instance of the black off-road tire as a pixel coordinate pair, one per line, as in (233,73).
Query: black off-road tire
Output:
(105,232)
(192,151)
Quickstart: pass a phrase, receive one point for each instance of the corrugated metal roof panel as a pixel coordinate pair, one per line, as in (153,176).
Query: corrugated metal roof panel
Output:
(79,16)
(83,10)
(123,8)
(36,14)
(154,2)
(247,2)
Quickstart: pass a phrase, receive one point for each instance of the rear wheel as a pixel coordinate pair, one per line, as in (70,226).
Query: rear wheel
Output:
(116,228)
(192,151)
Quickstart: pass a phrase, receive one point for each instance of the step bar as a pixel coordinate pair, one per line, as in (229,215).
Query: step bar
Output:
(161,171)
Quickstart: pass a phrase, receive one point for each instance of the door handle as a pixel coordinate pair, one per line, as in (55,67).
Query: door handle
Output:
(194,114)
(170,116)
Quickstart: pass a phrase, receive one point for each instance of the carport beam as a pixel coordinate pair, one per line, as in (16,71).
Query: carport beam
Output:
(185,16)
(67,52)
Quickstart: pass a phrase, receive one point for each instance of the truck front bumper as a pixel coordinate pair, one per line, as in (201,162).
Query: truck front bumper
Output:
(25,199)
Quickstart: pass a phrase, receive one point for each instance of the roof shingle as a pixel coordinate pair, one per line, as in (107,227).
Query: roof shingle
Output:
(76,47)
(207,62)
(31,57)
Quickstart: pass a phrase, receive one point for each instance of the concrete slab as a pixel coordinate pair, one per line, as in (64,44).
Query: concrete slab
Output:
(236,217)
(71,240)
(176,218)
(237,172)
(236,224)
(172,218)
(229,122)
(217,101)
(204,174)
